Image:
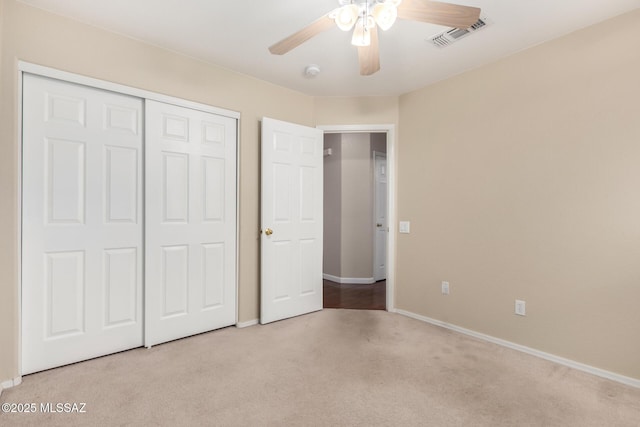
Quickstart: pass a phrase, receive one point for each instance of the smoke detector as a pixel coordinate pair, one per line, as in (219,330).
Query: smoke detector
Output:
(311,71)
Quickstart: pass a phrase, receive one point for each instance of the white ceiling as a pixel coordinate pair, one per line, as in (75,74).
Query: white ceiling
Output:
(235,34)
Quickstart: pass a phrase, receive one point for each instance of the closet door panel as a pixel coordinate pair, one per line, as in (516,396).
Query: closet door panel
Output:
(82,223)
(190,283)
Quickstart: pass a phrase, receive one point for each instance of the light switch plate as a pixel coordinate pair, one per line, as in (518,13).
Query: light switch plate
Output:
(405,227)
(520,308)
(445,288)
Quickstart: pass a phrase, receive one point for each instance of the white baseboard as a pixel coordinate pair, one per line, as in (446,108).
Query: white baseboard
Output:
(633,382)
(10,383)
(247,323)
(350,280)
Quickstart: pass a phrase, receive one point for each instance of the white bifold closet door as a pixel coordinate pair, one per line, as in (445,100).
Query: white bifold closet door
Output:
(190,242)
(96,230)
(82,223)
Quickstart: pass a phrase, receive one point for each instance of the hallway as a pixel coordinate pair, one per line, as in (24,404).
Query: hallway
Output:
(367,297)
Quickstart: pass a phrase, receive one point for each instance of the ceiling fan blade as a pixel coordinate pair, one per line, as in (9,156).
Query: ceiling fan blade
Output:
(299,37)
(369,56)
(435,12)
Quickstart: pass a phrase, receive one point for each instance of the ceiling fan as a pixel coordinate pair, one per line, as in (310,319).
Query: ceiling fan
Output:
(365,16)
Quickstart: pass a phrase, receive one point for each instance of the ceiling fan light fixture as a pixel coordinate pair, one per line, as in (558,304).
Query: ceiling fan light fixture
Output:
(346,16)
(367,15)
(385,14)
(361,33)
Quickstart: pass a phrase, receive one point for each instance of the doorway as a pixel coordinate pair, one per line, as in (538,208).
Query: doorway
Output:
(356,218)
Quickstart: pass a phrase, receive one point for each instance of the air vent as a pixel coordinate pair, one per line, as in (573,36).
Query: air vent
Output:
(453,35)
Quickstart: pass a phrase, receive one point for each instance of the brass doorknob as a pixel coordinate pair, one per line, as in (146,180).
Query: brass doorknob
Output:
(268,232)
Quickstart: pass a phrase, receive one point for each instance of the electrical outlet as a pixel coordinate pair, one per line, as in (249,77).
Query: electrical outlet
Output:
(445,288)
(520,307)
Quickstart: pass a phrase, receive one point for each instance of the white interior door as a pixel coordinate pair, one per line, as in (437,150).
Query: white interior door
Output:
(82,223)
(291,238)
(381,221)
(190,239)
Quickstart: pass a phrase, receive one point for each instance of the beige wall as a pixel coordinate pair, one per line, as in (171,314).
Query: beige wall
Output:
(356,110)
(332,205)
(521,179)
(357,207)
(2,17)
(378,143)
(8,238)
(38,37)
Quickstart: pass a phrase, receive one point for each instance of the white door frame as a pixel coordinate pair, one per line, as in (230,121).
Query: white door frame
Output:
(27,67)
(390,130)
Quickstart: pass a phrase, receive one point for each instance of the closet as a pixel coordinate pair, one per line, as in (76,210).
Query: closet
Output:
(128,221)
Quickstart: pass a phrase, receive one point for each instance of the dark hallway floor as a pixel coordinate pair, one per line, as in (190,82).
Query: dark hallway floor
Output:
(367,297)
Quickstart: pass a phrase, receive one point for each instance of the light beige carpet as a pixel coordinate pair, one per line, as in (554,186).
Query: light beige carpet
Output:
(330,368)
